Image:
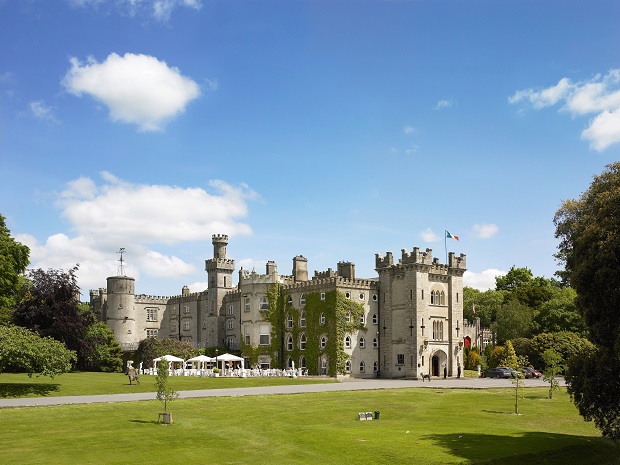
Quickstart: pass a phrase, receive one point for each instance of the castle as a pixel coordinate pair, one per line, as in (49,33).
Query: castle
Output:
(405,323)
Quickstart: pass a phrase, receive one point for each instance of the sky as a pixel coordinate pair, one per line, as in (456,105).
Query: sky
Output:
(332,129)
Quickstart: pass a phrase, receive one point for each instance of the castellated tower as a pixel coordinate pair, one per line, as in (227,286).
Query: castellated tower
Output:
(120,312)
(219,270)
(421,314)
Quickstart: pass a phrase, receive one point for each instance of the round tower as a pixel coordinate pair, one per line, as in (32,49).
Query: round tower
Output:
(220,241)
(121,313)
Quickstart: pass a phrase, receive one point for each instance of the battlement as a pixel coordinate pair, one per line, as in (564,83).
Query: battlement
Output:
(336,281)
(245,277)
(219,264)
(325,274)
(384,262)
(459,262)
(418,258)
(187,297)
(151,299)
(219,238)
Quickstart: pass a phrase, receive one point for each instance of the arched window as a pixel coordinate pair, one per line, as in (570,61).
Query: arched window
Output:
(323,342)
(302,299)
(375,319)
(363,319)
(289,320)
(290,300)
(347,342)
(289,343)
(302,341)
(432,297)
(362,367)
(347,366)
(362,343)
(375,343)
(442,298)
(302,319)
(322,319)
(375,367)
(302,362)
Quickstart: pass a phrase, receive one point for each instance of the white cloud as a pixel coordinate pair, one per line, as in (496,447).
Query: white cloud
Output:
(409,130)
(158,9)
(43,112)
(429,236)
(142,218)
(485,231)
(599,95)
(136,89)
(442,104)
(482,281)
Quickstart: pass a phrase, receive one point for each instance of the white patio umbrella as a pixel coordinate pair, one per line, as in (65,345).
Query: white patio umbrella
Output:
(169,358)
(229,358)
(202,359)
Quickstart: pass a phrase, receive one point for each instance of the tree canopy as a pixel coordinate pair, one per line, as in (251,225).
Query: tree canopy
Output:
(14,258)
(22,350)
(590,248)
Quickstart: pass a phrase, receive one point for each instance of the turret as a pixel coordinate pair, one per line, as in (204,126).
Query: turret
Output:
(300,268)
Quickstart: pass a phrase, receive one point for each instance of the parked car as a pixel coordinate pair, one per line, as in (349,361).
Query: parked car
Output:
(498,372)
(530,372)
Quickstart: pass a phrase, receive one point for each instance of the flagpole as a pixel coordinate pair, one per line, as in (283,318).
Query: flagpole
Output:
(445,243)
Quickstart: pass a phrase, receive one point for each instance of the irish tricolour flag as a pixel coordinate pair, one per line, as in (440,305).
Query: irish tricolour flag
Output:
(450,236)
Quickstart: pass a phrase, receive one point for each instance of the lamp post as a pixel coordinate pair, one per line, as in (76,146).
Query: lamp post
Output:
(216,354)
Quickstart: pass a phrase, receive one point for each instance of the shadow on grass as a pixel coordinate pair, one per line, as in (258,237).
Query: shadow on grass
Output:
(547,448)
(27,389)
(145,422)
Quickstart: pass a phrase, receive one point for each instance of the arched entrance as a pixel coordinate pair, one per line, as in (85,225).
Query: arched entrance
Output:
(467,341)
(438,361)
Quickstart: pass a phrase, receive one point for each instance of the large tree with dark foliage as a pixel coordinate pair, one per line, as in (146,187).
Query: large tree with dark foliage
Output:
(14,258)
(589,233)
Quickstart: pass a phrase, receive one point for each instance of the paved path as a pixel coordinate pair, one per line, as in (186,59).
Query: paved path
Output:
(347,385)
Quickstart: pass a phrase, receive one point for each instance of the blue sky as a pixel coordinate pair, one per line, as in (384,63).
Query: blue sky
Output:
(329,129)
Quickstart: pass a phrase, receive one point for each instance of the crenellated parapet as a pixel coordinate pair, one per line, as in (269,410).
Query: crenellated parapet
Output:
(325,274)
(213,264)
(417,257)
(152,299)
(317,284)
(384,262)
(459,262)
(256,278)
(188,297)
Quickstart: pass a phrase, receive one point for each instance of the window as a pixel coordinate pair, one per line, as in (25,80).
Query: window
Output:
(231,343)
(442,298)
(289,321)
(302,362)
(231,324)
(186,325)
(289,343)
(264,303)
(438,330)
(151,333)
(247,304)
(362,343)
(247,339)
(347,342)
(173,329)
(362,367)
(289,300)
(363,319)
(362,296)
(375,319)
(348,317)
(174,310)
(375,367)
(422,294)
(347,295)
(375,343)
(231,310)
(151,314)
(400,359)
(322,295)
(302,319)
(322,319)
(302,341)
(323,342)
(347,366)
(263,336)
(302,299)
(374,297)
(185,308)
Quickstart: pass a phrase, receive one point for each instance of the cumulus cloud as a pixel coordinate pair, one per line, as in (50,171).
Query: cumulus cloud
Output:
(144,218)
(42,111)
(136,89)
(409,130)
(599,96)
(485,231)
(482,281)
(429,236)
(442,104)
(161,10)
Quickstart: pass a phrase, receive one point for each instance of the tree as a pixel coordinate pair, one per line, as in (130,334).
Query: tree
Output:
(165,393)
(552,369)
(151,348)
(508,356)
(14,258)
(560,313)
(566,344)
(514,320)
(105,352)
(486,303)
(590,249)
(22,350)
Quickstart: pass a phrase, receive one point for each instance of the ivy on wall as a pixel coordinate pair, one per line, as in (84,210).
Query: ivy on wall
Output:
(342,317)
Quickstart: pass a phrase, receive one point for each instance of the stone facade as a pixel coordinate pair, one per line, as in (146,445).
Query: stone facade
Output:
(406,323)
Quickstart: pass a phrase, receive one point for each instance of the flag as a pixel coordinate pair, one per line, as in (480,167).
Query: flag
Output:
(450,236)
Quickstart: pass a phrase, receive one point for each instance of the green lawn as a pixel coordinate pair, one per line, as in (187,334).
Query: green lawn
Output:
(416,426)
(77,384)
